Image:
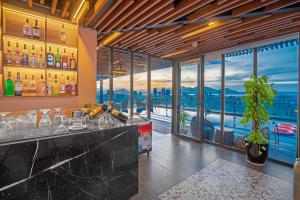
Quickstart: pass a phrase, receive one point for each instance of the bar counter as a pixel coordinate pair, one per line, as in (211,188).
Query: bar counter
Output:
(90,164)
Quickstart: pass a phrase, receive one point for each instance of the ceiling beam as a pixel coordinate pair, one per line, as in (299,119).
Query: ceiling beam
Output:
(53,7)
(280,4)
(30,3)
(65,8)
(251,6)
(42,2)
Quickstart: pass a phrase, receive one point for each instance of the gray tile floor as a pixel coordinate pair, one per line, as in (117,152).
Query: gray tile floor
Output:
(174,159)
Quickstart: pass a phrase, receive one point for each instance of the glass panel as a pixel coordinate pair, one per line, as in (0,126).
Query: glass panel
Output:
(140,84)
(121,81)
(161,95)
(212,103)
(238,69)
(102,93)
(280,66)
(188,100)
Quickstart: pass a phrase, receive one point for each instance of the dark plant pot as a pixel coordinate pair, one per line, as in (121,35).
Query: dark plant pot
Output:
(253,156)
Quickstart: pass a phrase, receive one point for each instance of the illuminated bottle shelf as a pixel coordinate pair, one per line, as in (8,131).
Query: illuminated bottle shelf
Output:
(27,38)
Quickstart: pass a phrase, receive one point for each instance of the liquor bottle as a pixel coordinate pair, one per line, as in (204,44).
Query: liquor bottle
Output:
(17,59)
(50,59)
(56,88)
(18,85)
(27,29)
(73,87)
(57,59)
(41,61)
(120,116)
(25,86)
(63,33)
(62,90)
(9,86)
(32,58)
(8,55)
(49,85)
(68,86)
(72,63)
(36,30)
(41,86)
(25,56)
(64,60)
(32,86)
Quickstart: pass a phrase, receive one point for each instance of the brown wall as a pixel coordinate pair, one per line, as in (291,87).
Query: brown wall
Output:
(87,59)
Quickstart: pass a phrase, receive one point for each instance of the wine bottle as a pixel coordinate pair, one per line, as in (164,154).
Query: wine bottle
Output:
(72,63)
(36,30)
(49,85)
(41,60)
(62,90)
(68,86)
(120,116)
(57,59)
(17,59)
(32,58)
(63,34)
(9,86)
(25,86)
(64,60)
(50,59)
(41,86)
(56,88)
(27,29)
(32,86)
(73,87)
(8,55)
(25,56)
(18,85)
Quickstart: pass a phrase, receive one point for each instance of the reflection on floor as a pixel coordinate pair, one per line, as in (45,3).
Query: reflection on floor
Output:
(174,159)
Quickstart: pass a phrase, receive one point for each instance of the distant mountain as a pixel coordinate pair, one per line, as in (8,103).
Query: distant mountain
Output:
(207,90)
(121,91)
(230,91)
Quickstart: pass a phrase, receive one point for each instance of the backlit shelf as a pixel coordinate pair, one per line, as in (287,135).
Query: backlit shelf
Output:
(24,68)
(62,70)
(23,39)
(67,47)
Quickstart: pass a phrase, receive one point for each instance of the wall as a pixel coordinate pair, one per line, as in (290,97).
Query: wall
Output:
(87,58)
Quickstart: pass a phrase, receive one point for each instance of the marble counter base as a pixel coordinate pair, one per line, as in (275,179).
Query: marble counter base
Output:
(94,165)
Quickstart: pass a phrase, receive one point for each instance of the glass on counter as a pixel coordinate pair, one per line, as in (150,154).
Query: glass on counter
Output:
(45,123)
(5,126)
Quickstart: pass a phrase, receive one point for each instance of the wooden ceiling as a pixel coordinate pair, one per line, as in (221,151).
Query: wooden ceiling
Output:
(181,28)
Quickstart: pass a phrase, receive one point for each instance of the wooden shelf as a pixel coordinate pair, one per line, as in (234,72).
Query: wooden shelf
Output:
(24,68)
(61,70)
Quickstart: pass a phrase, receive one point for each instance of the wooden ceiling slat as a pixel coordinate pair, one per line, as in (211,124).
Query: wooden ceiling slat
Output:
(65,8)
(121,19)
(148,34)
(251,6)
(107,13)
(30,3)
(53,7)
(94,11)
(42,2)
(280,4)
(115,14)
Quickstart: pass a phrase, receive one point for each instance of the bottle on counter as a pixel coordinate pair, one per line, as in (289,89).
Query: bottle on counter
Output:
(32,58)
(41,86)
(25,86)
(18,85)
(9,86)
(63,34)
(27,29)
(64,60)
(32,87)
(41,61)
(56,87)
(8,55)
(36,30)
(25,56)
(18,56)
(72,62)
(57,60)
(50,59)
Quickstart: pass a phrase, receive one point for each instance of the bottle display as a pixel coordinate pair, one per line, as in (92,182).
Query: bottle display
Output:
(56,87)
(57,59)
(63,34)
(36,30)
(72,63)
(9,86)
(18,85)
(32,59)
(41,61)
(64,60)
(27,29)
(50,59)
(8,55)
(17,56)
(25,56)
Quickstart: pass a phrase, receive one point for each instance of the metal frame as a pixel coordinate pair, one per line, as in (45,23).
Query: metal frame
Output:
(110,68)
(200,97)
(149,101)
(222,98)
(298,113)
(255,54)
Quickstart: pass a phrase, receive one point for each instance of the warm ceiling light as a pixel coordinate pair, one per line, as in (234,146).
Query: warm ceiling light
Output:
(110,38)
(197,32)
(173,54)
(81,10)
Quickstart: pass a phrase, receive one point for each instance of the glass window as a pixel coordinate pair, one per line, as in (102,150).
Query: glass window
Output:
(121,81)
(279,63)
(161,95)
(102,85)
(188,122)
(212,99)
(238,69)
(140,84)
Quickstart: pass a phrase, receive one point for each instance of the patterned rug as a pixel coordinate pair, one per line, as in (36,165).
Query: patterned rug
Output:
(223,180)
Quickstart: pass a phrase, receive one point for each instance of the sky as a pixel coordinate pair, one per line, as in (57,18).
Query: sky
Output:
(280,66)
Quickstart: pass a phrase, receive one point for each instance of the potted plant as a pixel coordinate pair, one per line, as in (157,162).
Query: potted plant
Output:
(184,117)
(259,95)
